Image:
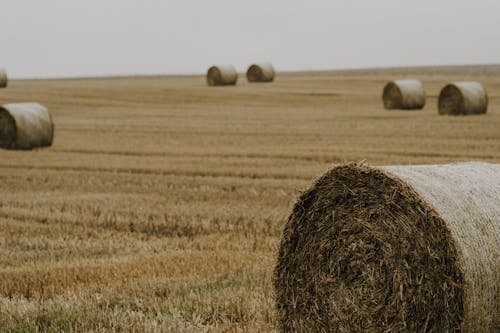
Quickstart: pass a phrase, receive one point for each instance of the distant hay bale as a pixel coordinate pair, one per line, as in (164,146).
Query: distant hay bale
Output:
(25,126)
(393,249)
(261,72)
(223,75)
(3,78)
(463,98)
(404,95)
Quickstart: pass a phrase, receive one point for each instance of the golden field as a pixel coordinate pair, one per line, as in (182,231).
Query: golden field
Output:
(159,207)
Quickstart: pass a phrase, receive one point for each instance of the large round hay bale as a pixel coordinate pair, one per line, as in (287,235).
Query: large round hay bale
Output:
(25,126)
(222,75)
(261,72)
(463,98)
(393,249)
(3,78)
(404,95)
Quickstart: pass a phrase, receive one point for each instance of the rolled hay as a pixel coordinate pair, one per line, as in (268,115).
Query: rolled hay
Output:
(261,72)
(463,98)
(404,95)
(25,126)
(393,249)
(3,78)
(223,75)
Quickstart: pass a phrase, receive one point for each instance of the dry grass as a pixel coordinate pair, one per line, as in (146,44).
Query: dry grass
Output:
(160,205)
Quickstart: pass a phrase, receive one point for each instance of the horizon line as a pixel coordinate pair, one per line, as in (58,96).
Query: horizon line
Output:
(285,72)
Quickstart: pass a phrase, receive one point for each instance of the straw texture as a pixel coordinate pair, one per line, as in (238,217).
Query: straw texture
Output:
(463,98)
(404,95)
(25,126)
(261,72)
(3,78)
(401,248)
(222,75)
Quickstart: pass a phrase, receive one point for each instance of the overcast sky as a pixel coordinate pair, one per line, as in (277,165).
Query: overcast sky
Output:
(64,38)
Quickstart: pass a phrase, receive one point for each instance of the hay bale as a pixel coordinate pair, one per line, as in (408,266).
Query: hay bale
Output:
(3,78)
(463,98)
(404,95)
(25,126)
(223,75)
(261,72)
(394,249)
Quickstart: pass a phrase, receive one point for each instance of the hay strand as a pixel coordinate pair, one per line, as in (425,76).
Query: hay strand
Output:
(261,72)
(25,126)
(404,248)
(404,95)
(222,75)
(463,98)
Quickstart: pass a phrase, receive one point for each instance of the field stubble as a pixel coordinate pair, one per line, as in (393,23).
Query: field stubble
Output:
(161,203)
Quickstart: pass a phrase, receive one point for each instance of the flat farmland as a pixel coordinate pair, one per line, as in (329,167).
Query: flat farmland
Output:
(161,203)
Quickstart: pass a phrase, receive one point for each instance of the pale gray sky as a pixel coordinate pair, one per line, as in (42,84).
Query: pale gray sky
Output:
(64,38)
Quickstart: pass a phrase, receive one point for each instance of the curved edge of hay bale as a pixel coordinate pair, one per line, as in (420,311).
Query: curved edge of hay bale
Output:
(29,125)
(222,75)
(406,94)
(3,78)
(401,248)
(261,72)
(463,98)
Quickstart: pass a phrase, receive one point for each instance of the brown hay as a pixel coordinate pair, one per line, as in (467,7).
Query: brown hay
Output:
(404,95)
(224,75)
(406,248)
(3,78)
(261,72)
(463,98)
(25,126)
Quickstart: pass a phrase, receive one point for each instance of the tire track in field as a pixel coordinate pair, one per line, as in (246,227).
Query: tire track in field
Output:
(141,171)
(309,158)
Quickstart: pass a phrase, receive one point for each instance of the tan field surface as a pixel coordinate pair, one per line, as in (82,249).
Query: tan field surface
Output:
(160,205)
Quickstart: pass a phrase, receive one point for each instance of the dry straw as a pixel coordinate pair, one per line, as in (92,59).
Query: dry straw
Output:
(25,126)
(394,249)
(404,95)
(3,78)
(463,98)
(261,72)
(223,75)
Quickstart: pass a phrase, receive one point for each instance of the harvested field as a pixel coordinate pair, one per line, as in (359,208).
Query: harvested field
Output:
(160,204)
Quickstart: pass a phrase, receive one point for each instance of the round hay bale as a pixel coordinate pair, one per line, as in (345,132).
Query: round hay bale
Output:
(463,98)
(223,75)
(3,78)
(404,95)
(261,72)
(25,126)
(393,249)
